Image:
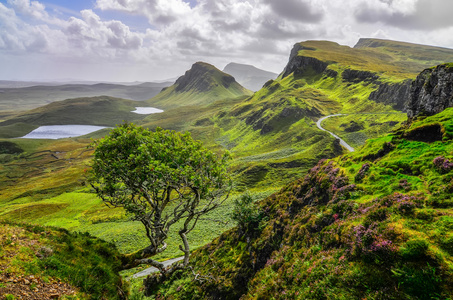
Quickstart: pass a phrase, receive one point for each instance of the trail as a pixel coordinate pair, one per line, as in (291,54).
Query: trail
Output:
(151,270)
(342,142)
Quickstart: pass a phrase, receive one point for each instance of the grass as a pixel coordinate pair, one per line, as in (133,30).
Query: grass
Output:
(103,110)
(78,265)
(355,129)
(201,85)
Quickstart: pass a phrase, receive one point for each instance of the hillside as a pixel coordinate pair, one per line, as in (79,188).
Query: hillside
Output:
(273,133)
(30,97)
(201,85)
(249,76)
(103,110)
(43,263)
(372,224)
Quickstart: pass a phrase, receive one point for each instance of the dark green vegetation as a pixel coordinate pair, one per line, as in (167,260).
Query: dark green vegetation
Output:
(47,263)
(373,224)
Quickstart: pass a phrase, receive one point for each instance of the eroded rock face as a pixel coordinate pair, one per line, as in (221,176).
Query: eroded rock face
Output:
(357,76)
(392,94)
(431,92)
(300,64)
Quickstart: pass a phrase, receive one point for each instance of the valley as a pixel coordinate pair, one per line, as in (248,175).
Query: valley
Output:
(325,149)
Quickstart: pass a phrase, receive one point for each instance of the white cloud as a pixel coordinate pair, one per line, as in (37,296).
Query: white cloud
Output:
(259,32)
(422,15)
(91,33)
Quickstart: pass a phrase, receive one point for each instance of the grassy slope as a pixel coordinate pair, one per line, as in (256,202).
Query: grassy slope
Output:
(103,110)
(374,224)
(203,84)
(273,134)
(44,263)
(22,99)
(355,129)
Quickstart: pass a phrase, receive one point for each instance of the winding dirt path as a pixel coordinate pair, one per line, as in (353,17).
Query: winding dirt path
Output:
(342,142)
(151,270)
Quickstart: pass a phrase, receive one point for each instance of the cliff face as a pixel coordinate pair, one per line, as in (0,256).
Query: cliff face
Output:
(299,64)
(392,94)
(431,92)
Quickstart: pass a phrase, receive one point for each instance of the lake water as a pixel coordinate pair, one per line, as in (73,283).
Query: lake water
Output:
(61,131)
(147,110)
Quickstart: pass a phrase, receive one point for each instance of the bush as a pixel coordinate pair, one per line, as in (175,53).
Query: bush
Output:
(442,164)
(415,249)
(246,214)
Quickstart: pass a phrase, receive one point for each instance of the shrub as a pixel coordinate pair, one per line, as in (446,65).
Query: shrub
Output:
(414,249)
(246,214)
(442,164)
(362,172)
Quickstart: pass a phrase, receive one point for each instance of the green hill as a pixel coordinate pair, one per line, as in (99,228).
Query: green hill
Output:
(201,85)
(273,133)
(372,224)
(38,94)
(102,110)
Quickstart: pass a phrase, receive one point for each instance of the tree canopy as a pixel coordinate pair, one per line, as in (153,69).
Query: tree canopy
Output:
(159,178)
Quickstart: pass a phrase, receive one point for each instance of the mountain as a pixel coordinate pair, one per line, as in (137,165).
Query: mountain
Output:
(372,224)
(25,98)
(249,76)
(202,84)
(273,133)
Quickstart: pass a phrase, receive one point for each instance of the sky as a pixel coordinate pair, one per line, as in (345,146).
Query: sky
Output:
(151,40)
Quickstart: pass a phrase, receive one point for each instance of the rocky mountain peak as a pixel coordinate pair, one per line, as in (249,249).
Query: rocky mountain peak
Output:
(201,77)
(298,64)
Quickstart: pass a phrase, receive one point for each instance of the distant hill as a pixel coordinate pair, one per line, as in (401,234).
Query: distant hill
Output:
(249,76)
(202,84)
(25,98)
(102,110)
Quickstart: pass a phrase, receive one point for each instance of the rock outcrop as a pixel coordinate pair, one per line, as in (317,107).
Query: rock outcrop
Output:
(431,92)
(356,76)
(200,78)
(299,63)
(395,95)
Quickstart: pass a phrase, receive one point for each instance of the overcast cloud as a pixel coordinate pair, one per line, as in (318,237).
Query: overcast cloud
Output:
(128,40)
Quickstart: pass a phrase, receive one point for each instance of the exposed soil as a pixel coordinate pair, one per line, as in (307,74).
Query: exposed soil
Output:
(18,245)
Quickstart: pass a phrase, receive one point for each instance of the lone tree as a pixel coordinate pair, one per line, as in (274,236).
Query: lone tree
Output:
(160,178)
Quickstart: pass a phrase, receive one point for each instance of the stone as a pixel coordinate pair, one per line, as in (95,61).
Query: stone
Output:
(431,92)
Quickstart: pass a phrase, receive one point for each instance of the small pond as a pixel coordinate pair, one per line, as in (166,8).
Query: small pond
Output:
(61,131)
(147,110)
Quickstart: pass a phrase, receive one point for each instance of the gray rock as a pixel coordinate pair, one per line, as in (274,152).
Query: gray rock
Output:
(431,92)
(395,95)
(299,64)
